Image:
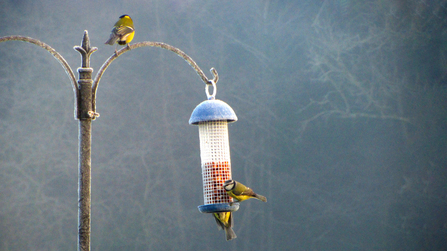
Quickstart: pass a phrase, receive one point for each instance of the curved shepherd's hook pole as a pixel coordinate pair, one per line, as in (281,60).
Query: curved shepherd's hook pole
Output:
(85,111)
(55,54)
(177,51)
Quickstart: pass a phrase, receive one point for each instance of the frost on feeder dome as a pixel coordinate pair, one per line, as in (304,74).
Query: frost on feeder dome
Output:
(212,117)
(212,110)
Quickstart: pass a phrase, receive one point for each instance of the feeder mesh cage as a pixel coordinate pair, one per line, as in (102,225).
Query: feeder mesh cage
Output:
(215,157)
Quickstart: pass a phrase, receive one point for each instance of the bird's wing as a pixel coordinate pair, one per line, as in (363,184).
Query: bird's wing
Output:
(220,225)
(122,30)
(248,191)
(230,220)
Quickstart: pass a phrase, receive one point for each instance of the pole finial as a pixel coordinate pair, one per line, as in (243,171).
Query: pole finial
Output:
(85,50)
(85,41)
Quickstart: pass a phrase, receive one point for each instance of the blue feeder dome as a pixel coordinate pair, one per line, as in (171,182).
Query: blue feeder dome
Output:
(212,110)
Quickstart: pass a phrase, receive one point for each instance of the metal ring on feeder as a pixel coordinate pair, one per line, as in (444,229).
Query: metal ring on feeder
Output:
(209,97)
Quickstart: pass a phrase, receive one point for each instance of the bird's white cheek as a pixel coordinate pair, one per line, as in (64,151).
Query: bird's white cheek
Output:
(228,187)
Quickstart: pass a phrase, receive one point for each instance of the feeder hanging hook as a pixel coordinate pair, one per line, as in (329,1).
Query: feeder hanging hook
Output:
(207,86)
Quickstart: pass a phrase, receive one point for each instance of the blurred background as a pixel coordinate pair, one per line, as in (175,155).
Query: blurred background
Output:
(342,124)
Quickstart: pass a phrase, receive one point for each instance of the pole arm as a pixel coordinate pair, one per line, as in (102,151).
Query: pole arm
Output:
(177,51)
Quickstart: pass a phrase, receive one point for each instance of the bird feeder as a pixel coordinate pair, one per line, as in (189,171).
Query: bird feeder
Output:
(212,117)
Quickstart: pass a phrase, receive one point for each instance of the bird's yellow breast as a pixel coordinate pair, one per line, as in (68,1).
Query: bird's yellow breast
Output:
(126,38)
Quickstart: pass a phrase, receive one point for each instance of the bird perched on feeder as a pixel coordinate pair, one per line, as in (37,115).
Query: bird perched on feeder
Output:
(241,192)
(122,32)
(224,221)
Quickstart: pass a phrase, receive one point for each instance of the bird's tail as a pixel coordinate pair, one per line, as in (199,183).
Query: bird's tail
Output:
(230,233)
(112,39)
(261,198)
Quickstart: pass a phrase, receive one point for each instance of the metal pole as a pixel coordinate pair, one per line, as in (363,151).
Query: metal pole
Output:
(84,185)
(85,115)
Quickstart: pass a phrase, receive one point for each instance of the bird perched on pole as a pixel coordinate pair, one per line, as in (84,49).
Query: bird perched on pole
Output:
(122,32)
(224,221)
(241,192)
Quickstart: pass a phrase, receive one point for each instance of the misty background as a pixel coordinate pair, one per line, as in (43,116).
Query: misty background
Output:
(342,124)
